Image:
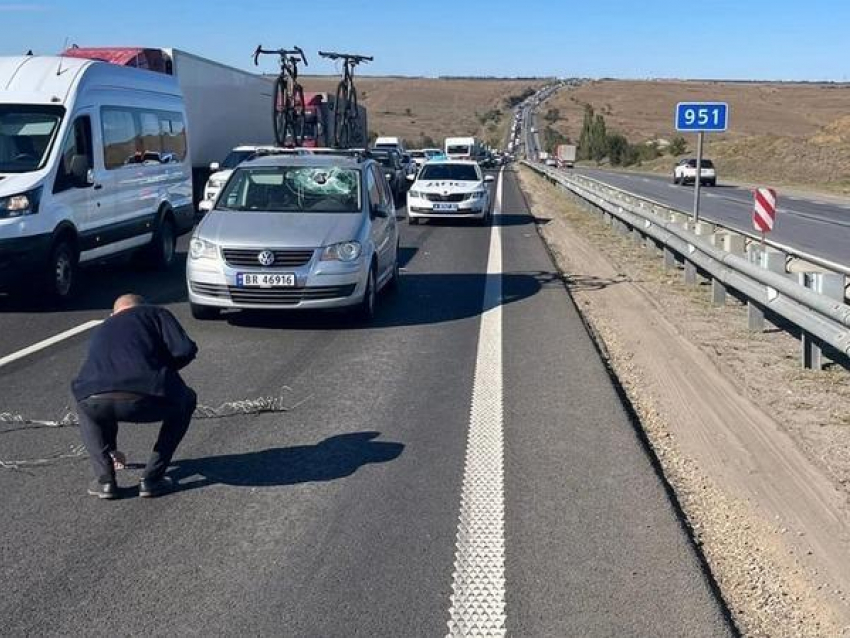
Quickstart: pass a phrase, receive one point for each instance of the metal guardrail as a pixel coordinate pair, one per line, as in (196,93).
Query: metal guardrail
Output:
(821,319)
(792,253)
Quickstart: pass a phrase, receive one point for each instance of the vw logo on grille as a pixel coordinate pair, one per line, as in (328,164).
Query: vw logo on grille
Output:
(266,258)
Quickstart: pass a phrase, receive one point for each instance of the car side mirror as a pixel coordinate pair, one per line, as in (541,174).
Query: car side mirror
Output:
(379,211)
(215,166)
(489,178)
(80,171)
(411,177)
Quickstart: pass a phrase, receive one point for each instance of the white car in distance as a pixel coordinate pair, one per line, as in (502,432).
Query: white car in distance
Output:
(453,189)
(222,172)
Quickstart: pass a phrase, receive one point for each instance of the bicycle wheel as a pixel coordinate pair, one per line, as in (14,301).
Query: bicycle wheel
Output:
(279,110)
(340,107)
(298,113)
(354,134)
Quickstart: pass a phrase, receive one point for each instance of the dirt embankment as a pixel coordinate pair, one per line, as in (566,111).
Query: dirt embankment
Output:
(416,107)
(791,134)
(755,448)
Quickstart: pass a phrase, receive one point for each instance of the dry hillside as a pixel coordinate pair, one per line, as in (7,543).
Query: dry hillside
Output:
(780,133)
(417,107)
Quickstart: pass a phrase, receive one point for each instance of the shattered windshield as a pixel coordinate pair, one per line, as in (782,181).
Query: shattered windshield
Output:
(327,189)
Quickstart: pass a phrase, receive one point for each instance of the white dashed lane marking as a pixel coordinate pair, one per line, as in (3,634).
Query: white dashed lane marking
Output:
(50,341)
(478,582)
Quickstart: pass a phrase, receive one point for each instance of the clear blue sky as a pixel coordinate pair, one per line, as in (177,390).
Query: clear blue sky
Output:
(746,39)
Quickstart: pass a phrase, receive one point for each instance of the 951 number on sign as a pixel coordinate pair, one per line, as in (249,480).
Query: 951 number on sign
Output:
(702,116)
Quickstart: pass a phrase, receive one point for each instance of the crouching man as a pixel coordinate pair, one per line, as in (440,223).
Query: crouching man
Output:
(131,375)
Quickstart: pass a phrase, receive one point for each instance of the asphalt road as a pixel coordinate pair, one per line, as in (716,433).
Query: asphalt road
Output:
(340,517)
(820,228)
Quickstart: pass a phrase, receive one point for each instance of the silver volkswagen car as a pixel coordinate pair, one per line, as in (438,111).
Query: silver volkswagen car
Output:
(289,232)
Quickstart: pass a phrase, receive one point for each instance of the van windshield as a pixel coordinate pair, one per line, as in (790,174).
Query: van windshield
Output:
(26,135)
(292,189)
(458,149)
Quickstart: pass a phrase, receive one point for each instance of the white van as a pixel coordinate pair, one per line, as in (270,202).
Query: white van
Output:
(464,148)
(93,163)
(390,142)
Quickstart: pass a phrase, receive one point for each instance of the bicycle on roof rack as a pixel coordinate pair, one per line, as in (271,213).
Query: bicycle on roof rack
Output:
(346,112)
(288,97)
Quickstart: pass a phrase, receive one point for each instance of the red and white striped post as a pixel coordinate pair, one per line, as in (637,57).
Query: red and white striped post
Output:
(764,211)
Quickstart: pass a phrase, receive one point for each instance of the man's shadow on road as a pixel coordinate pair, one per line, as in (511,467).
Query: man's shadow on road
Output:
(334,458)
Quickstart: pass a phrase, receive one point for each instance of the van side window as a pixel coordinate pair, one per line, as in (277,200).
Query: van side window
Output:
(151,142)
(78,143)
(142,136)
(121,143)
(173,132)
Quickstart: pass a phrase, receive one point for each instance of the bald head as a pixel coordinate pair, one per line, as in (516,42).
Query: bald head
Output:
(125,302)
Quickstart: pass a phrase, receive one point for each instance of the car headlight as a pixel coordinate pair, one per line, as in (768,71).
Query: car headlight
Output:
(21,204)
(476,195)
(202,249)
(415,194)
(343,251)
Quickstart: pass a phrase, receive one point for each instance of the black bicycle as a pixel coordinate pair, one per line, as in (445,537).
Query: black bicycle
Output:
(346,112)
(288,98)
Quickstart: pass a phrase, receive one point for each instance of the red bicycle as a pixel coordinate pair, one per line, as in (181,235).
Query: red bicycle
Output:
(288,97)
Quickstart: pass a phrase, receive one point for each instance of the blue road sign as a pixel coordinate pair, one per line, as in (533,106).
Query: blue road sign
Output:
(702,116)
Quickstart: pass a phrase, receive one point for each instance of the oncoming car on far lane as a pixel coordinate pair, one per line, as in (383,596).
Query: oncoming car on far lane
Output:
(450,189)
(294,232)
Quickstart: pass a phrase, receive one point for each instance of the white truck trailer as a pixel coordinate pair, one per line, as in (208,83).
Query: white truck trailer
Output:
(225,106)
(566,155)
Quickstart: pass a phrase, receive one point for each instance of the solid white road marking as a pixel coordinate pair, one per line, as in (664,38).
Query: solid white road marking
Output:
(46,343)
(478,581)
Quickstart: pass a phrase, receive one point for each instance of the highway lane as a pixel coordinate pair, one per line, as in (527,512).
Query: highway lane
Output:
(340,517)
(816,227)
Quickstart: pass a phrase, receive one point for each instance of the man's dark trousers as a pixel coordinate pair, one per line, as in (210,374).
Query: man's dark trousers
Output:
(100,415)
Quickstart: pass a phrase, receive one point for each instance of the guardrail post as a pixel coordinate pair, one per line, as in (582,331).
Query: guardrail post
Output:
(730,242)
(680,219)
(769,259)
(702,229)
(669,258)
(637,237)
(830,285)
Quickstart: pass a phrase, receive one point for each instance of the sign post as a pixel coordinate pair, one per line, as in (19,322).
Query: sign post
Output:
(701,117)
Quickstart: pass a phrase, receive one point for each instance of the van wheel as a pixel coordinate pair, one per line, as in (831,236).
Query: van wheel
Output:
(203,313)
(61,272)
(163,247)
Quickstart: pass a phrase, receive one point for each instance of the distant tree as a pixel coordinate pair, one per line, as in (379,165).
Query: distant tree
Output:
(678,146)
(618,151)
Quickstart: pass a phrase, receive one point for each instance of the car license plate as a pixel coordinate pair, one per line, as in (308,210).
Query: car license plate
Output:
(265,280)
(445,207)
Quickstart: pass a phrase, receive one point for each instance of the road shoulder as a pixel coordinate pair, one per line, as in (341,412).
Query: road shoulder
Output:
(773,525)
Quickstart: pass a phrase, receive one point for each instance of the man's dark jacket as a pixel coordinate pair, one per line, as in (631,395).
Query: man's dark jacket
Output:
(137,350)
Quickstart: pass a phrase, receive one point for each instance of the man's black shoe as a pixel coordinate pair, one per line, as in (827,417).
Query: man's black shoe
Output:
(108,490)
(150,488)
